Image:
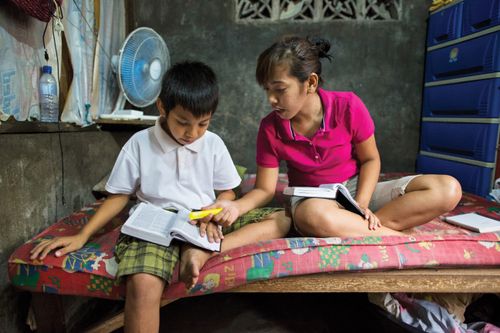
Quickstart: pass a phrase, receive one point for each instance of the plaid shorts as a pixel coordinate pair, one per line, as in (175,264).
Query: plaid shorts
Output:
(134,255)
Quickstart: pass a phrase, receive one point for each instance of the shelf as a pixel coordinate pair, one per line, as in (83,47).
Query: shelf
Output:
(129,122)
(25,127)
(131,125)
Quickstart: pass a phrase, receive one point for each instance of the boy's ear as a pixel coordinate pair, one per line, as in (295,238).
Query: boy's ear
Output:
(161,107)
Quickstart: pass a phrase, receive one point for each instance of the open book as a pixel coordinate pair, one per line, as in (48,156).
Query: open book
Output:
(160,226)
(328,191)
(474,222)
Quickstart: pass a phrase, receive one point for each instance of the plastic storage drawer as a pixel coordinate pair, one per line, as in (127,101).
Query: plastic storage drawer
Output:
(480,15)
(469,99)
(473,57)
(465,140)
(474,179)
(445,25)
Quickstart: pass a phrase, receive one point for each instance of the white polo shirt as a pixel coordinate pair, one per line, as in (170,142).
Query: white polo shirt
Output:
(160,171)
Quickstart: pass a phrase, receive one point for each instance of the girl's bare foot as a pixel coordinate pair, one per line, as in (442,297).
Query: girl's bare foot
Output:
(192,260)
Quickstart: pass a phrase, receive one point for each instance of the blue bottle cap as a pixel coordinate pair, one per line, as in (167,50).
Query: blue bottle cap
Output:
(47,69)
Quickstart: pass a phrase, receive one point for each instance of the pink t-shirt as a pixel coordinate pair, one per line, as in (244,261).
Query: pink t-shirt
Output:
(327,157)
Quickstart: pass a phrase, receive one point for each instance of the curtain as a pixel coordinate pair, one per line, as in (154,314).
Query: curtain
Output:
(79,26)
(105,88)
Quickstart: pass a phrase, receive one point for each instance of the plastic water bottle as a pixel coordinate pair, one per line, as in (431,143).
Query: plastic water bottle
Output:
(49,100)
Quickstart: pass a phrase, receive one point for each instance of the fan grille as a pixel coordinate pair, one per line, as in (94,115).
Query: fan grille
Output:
(140,82)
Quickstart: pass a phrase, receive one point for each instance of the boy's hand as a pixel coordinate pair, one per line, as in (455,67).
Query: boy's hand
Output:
(228,215)
(213,231)
(63,244)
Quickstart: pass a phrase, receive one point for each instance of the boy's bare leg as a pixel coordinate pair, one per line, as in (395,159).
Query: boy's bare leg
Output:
(426,197)
(142,303)
(193,258)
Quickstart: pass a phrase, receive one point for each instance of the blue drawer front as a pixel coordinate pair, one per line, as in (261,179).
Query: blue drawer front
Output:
(474,179)
(480,15)
(472,57)
(445,25)
(465,140)
(470,99)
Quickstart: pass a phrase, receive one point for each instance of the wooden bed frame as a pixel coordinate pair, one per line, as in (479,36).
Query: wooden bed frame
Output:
(423,280)
(49,310)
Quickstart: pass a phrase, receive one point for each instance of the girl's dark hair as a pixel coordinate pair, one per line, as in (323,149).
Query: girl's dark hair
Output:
(192,85)
(302,55)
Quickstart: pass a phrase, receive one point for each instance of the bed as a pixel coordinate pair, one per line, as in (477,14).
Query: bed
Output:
(434,257)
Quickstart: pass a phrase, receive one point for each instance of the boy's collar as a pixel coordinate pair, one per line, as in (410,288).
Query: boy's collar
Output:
(168,144)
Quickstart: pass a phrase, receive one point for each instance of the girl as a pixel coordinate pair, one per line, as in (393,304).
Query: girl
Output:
(328,137)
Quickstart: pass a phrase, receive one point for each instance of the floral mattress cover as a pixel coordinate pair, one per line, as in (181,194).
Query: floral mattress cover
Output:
(91,270)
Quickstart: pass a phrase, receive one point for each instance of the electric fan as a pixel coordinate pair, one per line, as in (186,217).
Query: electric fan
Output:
(140,65)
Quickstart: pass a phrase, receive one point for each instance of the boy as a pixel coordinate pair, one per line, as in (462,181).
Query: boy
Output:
(175,164)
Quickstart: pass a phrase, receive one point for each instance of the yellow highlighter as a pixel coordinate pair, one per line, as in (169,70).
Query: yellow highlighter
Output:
(199,214)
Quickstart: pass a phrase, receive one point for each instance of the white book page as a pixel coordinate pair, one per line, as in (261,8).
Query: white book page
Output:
(304,191)
(317,190)
(191,233)
(153,219)
(334,187)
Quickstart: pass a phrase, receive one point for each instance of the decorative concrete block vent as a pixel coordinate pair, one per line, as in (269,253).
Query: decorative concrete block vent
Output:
(317,10)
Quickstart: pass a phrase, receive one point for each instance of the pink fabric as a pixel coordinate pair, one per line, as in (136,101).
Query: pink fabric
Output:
(328,156)
(40,9)
(90,271)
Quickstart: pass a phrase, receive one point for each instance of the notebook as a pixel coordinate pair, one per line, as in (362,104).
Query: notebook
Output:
(474,222)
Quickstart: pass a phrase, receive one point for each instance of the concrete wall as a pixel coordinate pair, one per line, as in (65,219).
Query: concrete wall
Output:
(43,176)
(381,61)
(31,190)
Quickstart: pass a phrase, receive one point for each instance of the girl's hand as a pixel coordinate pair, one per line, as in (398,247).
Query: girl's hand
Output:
(228,215)
(373,221)
(63,244)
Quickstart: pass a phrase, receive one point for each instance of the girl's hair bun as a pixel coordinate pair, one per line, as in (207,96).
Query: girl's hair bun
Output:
(322,46)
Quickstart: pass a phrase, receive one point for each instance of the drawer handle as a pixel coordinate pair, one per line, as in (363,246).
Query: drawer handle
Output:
(442,37)
(451,150)
(455,112)
(464,71)
(482,24)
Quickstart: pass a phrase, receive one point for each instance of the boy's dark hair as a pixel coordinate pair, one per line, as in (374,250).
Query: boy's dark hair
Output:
(301,55)
(192,85)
